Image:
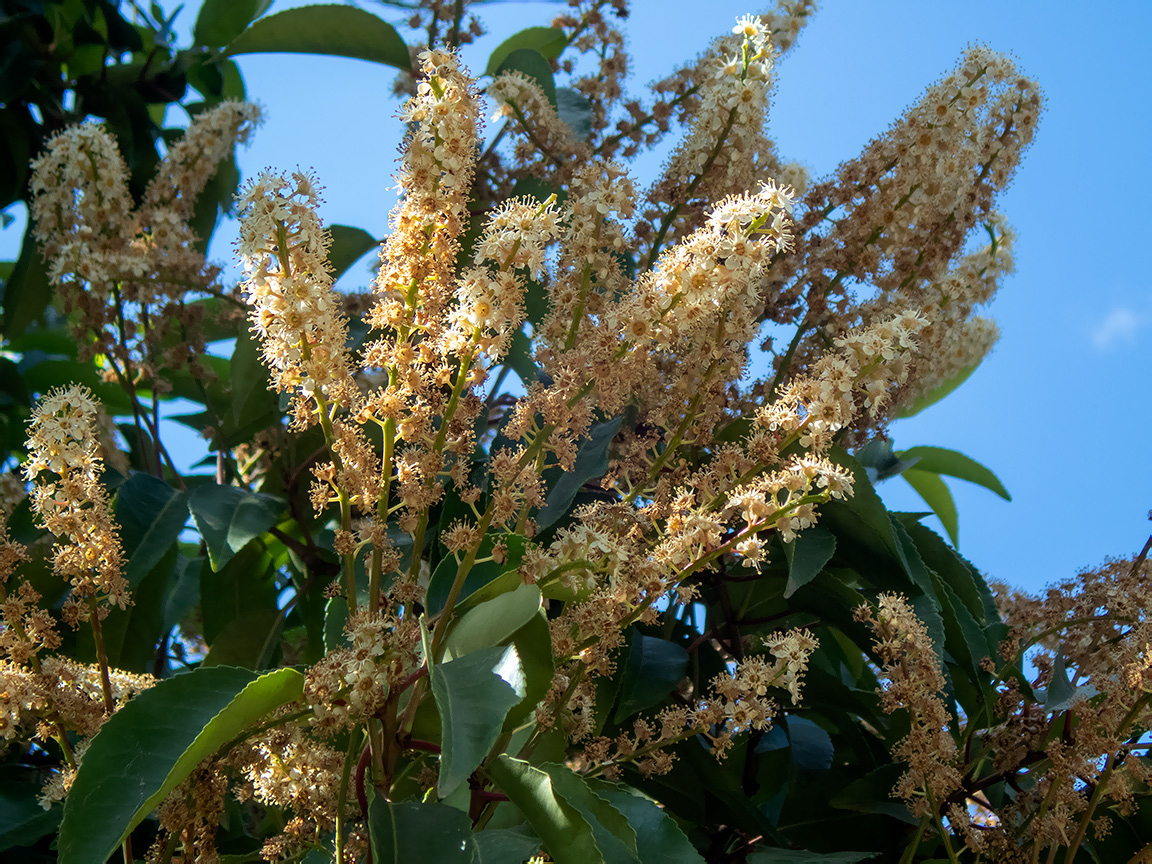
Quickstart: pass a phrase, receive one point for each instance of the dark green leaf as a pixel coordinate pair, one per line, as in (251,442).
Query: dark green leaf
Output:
(879,461)
(940,460)
(565,833)
(797,856)
(22,820)
(343,31)
(575,110)
(614,837)
(228,518)
(244,586)
(811,745)
(549,41)
(591,462)
(872,794)
(807,555)
(504,846)
(335,617)
(221,21)
(248,641)
(27,291)
(403,833)
(933,396)
(151,744)
(534,65)
(936,495)
(254,406)
(349,245)
(659,839)
(151,515)
(473,695)
(655,667)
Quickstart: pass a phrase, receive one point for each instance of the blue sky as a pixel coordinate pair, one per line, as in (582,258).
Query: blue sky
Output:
(1061,409)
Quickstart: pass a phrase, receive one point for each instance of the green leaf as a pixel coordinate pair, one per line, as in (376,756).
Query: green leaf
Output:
(342,31)
(654,668)
(880,462)
(807,555)
(591,462)
(228,518)
(533,643)
(245,585)
(614,837)
(493,622)
(349,245)
(575,110)
(440,583)
(151,515)
(248,641)
(504,846)
(872,794)
(941,460)
(27,291)
(811,745)
(549,41)
(565,833)
(407,832)
(473,695)
(659,839)
(936,495)
(22,820)
(1062,693)
(254,406)
(335,617)
(221,21)
(533,64)
(799,856)
(933,396)
(149,746)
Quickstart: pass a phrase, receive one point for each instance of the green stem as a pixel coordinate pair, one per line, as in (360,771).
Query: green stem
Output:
(101,655)
(342,797)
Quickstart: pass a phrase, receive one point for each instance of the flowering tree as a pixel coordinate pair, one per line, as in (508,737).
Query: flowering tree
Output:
(563,541)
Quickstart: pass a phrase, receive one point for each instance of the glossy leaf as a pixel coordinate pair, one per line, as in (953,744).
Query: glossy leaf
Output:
(548,41)
(229,517)
(807,555)
(473,695)
(565,833)
(659,839)
(342,31)
(654,668)
(614,837)
(880,462)
(335,617)
(151,515)
(533,643)
(534,65)
(941,460)
(151,744)
(493,622)
(936,495)
(349,245)
(591,462)
(406,832)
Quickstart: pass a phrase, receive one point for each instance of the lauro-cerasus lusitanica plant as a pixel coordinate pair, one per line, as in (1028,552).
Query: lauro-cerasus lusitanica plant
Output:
(561,542)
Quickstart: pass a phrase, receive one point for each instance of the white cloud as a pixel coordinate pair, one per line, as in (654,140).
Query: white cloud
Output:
(1118,327)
